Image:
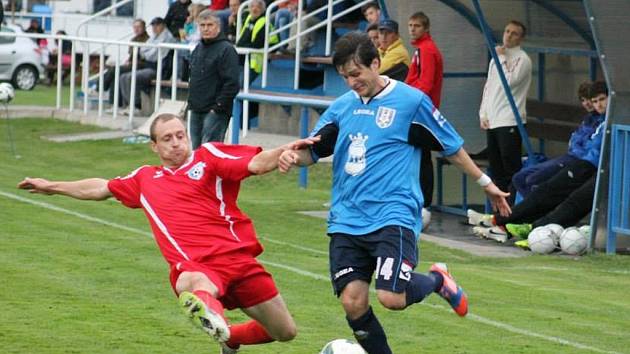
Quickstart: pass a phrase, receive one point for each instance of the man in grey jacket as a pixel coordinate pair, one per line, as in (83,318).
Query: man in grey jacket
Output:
(214,82)
(149,55)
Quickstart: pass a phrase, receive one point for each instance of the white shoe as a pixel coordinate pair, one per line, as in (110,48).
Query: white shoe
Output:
(498,234)
(479,219)
(481,231)
(426,218)
(210,322)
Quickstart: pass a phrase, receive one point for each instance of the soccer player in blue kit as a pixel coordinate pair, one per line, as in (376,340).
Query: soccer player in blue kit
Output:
(376,131)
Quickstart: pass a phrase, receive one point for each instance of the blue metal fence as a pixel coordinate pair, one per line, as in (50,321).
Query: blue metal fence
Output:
(619,187)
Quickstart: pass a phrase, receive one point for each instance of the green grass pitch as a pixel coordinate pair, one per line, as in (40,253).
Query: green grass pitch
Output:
(86,277)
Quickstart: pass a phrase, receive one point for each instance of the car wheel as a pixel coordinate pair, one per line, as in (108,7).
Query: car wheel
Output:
(25,77)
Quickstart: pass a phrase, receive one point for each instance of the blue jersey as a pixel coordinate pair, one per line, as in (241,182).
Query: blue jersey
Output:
(376,161)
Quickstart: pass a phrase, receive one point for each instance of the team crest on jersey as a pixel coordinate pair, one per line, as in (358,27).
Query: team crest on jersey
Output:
(385,117)
(356,155)
(196,172)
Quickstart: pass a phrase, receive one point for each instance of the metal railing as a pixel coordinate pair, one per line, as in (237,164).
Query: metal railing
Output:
(102,43)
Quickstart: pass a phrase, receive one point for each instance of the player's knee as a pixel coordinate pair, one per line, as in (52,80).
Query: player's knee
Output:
(287,333)
(392,301)
(354,306)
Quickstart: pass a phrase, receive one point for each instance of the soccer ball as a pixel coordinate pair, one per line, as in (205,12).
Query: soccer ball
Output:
(540,240)
(342,346)
(573,241)
(556,231)
(586,230)
(6,92)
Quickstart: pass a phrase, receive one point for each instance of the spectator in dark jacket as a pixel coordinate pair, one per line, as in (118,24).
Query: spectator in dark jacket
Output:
(214,82)
(176,16)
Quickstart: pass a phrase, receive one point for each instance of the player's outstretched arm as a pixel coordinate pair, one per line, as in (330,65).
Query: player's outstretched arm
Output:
(462,160)
(85,189)
(268,160)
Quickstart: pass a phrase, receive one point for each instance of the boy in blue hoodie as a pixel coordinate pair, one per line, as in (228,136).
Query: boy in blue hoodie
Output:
(529,178)
(550,194)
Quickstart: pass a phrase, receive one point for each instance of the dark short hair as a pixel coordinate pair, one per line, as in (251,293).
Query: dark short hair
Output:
(368,6)
(520,24)
(424,19)
(372,27)
(161,118)
(597,88)
(355,46)
(583,89)
(144,24)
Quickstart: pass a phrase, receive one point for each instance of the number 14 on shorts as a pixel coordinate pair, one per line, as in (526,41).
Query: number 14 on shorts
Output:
(385,269)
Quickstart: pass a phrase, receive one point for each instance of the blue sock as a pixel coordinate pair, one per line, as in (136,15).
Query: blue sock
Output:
(369,333)
(421,285)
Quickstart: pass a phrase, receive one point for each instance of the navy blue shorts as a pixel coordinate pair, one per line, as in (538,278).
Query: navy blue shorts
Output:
(390,254)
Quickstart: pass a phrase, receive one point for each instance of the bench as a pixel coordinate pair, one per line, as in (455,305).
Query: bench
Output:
(545,121)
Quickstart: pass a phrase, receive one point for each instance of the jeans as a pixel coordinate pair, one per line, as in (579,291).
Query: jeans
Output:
(207,126)
(527,179)
(283,18)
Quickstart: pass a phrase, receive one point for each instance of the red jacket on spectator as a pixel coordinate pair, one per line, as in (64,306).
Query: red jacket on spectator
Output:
(218,4)
(426,69)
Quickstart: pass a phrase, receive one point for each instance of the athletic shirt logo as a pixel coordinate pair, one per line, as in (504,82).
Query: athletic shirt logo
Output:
(385,117)
(196,172)
(356,155)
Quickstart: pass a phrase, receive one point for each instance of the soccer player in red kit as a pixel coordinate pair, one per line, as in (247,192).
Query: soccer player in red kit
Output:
(209,244)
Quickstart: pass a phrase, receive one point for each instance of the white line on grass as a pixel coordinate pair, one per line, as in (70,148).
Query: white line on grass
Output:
(305,273)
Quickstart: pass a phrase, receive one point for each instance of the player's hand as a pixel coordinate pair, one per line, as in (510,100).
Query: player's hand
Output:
(302,143)
(288,159)
(497,199)
(36,185)
(484,124)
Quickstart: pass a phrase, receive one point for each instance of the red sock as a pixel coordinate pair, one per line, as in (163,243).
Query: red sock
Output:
(250,332)
(212,303)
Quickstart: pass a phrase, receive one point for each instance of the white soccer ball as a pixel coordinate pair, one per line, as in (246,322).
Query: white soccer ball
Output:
(6,92)
(586,230)
(342,346)
(540,240)
(556,232)
(573,241)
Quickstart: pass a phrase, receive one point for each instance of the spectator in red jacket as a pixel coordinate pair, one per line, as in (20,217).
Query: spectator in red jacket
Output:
(425,73)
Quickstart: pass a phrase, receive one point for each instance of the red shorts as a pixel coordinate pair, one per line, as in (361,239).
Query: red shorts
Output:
(241,280)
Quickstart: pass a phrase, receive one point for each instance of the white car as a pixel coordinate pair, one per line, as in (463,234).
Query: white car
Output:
(20,59)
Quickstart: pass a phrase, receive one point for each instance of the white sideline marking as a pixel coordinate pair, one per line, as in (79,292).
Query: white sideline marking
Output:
(305,273)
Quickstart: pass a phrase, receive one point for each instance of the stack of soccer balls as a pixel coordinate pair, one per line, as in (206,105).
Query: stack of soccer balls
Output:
(342,346)
(6,92)
(548,238)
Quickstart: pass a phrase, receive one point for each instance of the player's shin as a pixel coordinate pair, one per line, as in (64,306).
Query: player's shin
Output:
(420,286)
(369,333)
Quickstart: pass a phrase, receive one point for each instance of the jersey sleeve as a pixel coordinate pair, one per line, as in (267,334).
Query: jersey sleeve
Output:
(430,130)
(127,189)
(328,129)
(230,162)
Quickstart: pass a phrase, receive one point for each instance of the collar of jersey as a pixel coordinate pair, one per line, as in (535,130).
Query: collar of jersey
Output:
(384,92)
(190,159)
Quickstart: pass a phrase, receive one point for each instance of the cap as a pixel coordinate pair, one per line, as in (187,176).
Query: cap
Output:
(157,21)
(388,25)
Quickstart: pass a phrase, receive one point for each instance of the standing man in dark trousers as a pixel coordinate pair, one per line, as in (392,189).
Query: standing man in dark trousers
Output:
(214,82)
(495,114)
(425,74)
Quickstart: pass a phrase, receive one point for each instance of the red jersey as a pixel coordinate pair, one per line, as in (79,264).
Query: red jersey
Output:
(192,210)
(426,68)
